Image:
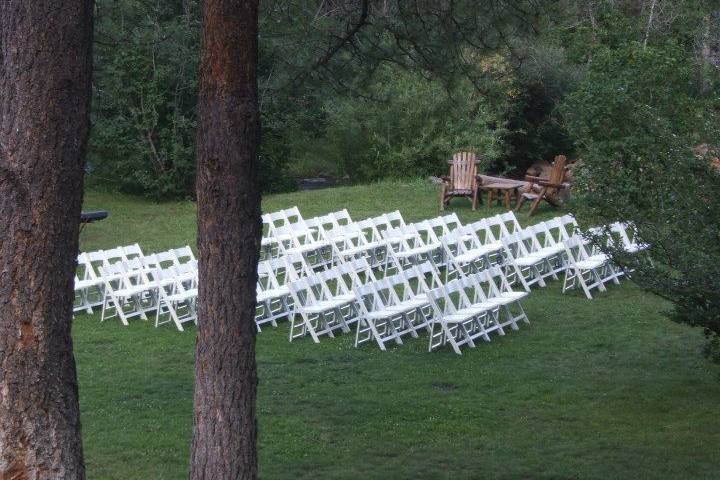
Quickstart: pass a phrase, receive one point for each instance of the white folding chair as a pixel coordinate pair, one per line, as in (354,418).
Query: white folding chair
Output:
(387,221)
(89,287)
(273,297)
(132,251)
(461,315)
(588,271)
(413,245)
(129,292)
(178,291)
(495,289)
(394,306)
(520,265)
(357,241)
(183,255)
(474,250)
(323,303)
(627,234)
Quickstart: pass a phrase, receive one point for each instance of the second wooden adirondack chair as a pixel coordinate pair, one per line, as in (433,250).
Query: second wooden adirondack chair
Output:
(545,188)
(462,181)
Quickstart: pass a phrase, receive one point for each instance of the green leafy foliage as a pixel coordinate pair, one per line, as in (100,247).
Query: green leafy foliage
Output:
(412,131)
(637,116)
(144,103)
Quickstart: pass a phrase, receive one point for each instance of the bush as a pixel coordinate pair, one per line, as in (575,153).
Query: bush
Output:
(636,117)
(412,131)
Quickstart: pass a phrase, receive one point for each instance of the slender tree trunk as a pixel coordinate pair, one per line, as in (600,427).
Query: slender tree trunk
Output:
(229,228)
(45,89)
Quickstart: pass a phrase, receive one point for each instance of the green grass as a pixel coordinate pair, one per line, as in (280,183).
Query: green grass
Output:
(599,389)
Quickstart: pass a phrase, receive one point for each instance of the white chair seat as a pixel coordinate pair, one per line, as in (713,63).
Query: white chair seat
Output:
(308,247)
(375,314)
(82,284)
(362,248)
(552,250)
(589,263)
(411,304)
(599,257)
(465,314)
(134,290)
(507,297)
(180,296)
(418,250)
(329,304)
(528,261)
(273,293)
(476,253)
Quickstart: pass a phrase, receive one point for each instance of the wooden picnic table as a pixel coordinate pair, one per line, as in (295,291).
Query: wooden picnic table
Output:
(500,187)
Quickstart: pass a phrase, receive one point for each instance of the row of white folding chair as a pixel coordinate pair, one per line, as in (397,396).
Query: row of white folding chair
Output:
(88,284)
(132,287)
(310,239)
(275,230)
(620,235)
(396,305)
(477,245)
(528,262)
(129,291)
(419,242)
(364,239)
(327,239)
(325,301)
(473,306)
(585,266)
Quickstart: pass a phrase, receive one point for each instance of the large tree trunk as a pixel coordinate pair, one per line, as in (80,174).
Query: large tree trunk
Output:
(45,74)
(229,228)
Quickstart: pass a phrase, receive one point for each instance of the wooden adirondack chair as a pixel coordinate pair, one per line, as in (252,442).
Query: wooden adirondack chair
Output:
(462,181)
(545,188)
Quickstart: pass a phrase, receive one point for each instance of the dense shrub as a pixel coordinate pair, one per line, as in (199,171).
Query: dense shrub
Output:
(412,130)
(144,104)
(636,117)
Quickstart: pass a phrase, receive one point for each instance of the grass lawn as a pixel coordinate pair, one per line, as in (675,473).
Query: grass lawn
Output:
(601,389)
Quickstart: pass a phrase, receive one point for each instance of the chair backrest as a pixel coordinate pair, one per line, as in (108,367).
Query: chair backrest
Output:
(283,218)
(387,221)
(113,255)
(463,169)
(444,224)
(132,251)
(183,254)
(575,248)
(557,174)
(266,276)
(515,245)
(295,267)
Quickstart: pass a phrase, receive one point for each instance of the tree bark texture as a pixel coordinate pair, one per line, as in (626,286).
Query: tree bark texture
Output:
(229,229)
(45,90)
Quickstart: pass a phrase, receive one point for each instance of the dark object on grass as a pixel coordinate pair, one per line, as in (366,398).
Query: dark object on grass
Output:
(89,217)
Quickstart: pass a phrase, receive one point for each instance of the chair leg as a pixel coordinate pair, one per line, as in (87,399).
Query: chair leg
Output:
(534,206)
(442,198)
(474,199)
(536,202)
(520,202)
